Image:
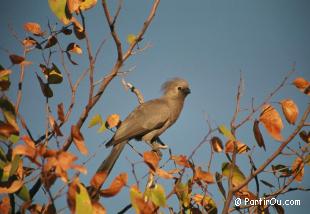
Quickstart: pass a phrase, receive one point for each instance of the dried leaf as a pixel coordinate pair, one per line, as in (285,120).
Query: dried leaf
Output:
(207,177)
(54,75)
(10,186)
(78,30)
(301,83)
(30,42)
(98,208)
(51,41)
(164,174)
(258,135)
(298,169)
(54,125)
(7,129)
(241,147)
(78,140)
(151,159)
(290,110)
(5,205)
(73,6)
(113,120)
(272,121)
(16,59)
(74,48)
(80,168)
(217,144)
(116,186)
(45,88)
(87,4)
(180,160)
(205,201)
(60,112)
(33,28)
(98,179)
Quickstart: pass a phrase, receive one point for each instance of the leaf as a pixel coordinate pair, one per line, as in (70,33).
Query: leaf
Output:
(54,75)
(113,120)
(182,191)
(4,78)
(138,202)
(116,186)
(78,30)
(70,59)
(226,132)
(157,195)
(87,4)
(7,130)
(290,110)
(282,169)
(16,59)
(58,7)
(83,202)
(60,112)
(51,41)
(131,38)
(14,165)
(66,31)
(151,159)
(180,160)
(73,6)
(219,183)
(54,125)
(305,136)
(241,148)
(5,205)
(272,121)
(207,177)
(74,48)
(30,42)
(33,28)
(95,120)
(98,179)
(8,110)
(11,186)
(267,183)
(217,144)
(258,135)
(298,169)
(164,174)
(207,202)
(78,140)
(237,176)
(98,208)
(23,193)
(301,83)
(102,128)
(45,88)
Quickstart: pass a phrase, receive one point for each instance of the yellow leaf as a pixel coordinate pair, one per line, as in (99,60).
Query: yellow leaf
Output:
(131,38)
(226,132)
(290,110)
(58,7)
(95,120)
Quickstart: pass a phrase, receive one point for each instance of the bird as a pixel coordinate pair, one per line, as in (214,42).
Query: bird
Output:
(148,121)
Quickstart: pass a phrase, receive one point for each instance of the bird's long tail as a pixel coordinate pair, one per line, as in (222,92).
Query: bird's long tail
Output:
(107,165)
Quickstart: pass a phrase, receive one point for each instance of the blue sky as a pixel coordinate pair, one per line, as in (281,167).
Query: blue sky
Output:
(206,42)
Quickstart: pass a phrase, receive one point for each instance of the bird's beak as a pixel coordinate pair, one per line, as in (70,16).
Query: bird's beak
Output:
(186,91)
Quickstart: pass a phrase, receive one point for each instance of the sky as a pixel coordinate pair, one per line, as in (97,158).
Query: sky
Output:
(205,42)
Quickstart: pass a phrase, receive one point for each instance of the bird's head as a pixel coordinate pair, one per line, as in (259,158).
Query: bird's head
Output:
(176,88)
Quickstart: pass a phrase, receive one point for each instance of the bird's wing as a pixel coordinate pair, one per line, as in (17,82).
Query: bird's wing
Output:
(145,118)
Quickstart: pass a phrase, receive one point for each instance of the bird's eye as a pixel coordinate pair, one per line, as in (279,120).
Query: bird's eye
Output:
(179,88)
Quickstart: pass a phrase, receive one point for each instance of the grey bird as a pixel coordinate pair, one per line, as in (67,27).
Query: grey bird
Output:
(148,121)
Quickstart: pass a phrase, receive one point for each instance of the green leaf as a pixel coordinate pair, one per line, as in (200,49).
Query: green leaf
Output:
(14,165)
(237,176)
(14,138)
(95,120)
(54,76)
(226,132)
(182,193)
(58,7)
(2,164)
(102,128)
(83,204)
(157,195)
(2,155)
(23,193)
(8,111)
(131,38)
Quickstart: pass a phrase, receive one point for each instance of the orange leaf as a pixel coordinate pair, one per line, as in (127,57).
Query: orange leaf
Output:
(301,83)
(78,140)
(80,168)
(11,186)
(98,179)
(241,147)
(7,129)
(98,208)
(113,120)
(28,141)
(151,159)
(290,110)
(180,160)
(73,6)
(298,169)
(272,121)
(24,150)
(5,206)
(207,177)
(117,184)
(54,125)
(164,174)
(34,28)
